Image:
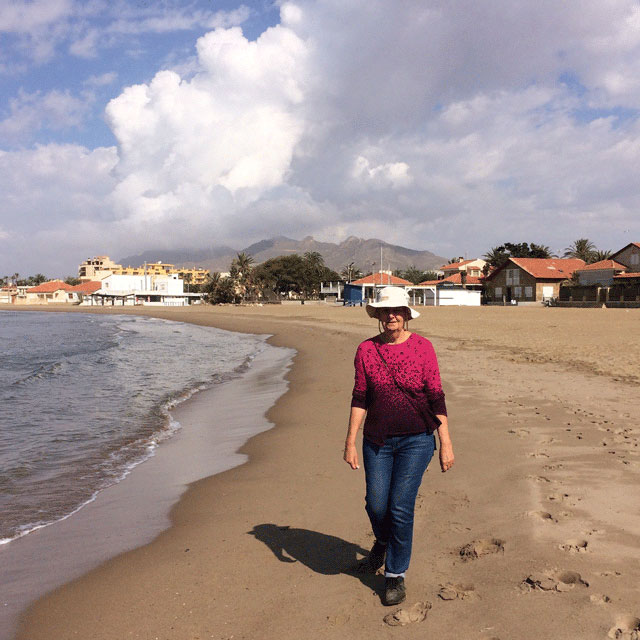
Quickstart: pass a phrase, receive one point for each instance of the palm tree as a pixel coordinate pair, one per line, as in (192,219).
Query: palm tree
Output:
(241,271)
(314,261)
(350,272)
(496,256)
(602,254)
(582,248)
(540,251)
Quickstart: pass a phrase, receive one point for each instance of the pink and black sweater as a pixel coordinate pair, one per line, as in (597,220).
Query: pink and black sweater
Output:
(389,411)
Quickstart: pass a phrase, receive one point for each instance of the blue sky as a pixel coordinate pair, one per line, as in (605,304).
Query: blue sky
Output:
(453,127)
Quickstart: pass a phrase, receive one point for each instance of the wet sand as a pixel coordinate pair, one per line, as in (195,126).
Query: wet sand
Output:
(535,533)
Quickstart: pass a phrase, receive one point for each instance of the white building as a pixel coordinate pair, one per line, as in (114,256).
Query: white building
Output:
(153,290)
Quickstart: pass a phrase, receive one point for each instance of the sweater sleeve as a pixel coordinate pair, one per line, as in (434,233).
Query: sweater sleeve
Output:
(433,383)
(359,395)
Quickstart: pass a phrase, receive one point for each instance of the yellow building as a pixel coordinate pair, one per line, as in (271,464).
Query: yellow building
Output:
(101,266)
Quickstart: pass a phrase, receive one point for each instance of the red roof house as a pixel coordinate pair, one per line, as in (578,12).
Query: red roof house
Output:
(382,279)
(86,288)
(530,279)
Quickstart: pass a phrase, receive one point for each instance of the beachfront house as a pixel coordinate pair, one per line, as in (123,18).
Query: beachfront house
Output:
(455,290)
(8,294)
(152,290)
(364,289)
(529,280)
(51,292)
(471,268)
(615,281)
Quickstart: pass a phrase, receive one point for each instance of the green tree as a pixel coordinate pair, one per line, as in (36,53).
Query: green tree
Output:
(601,254)
(582,248)
(241,273)
(283,274)
(412,274)
(498,256)
(72,280)
(219,290)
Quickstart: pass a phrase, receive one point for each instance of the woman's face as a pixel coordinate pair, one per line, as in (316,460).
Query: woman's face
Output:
(393,318)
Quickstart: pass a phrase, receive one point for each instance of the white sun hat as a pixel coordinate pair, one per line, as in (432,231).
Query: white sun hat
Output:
(391,297)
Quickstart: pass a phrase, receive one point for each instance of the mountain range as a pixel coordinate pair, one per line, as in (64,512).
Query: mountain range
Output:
(365,254)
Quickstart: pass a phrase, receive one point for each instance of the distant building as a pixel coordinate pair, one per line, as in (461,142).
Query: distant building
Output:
(97,268)
(369,284)
(469,267)
(622,267)
(158,290)
(102,266)
(530,279)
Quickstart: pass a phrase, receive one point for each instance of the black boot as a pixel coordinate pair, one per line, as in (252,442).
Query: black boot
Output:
(394,591)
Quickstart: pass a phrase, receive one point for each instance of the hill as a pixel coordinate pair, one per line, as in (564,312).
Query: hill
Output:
(364,253)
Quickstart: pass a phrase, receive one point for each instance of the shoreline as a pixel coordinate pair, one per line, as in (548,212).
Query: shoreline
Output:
(545,457)
(144,496)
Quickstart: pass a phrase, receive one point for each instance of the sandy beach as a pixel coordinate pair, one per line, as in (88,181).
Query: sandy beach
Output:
(535,533)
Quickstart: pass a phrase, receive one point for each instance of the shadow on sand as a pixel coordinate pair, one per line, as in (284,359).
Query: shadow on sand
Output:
(320,552)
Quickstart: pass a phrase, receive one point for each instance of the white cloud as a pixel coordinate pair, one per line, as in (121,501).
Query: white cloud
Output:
(102,80)
(39,29)
(30,112)
(449,126)
(232,128)
(20,16)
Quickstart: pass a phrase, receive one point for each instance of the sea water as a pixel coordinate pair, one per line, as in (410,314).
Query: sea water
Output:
(85,398)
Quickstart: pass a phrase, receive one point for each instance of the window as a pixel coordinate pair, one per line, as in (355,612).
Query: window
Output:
(498,292)
(635,258)
(517,292)
(528,292)
(513,276)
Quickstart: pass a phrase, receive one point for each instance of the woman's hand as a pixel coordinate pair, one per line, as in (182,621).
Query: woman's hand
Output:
(446,456)
(351,455)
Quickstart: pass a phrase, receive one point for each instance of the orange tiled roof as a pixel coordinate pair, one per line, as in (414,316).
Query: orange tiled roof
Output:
(381,278)
(549,268)
(603,264)
(454,265)
(633,274)
(50,287)
(454,278)
(90,286)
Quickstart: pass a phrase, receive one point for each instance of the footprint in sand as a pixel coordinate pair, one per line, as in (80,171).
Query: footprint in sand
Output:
(575,546)
(540,479)
(481,548)
(451,591)
(558,497)
(553,467)
(599,598)
(538,454)
(545,516)
(626,627)
(560,581)
(408,615)
(521,433)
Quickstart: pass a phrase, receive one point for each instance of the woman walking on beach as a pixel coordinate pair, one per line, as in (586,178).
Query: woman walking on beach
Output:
(397,387)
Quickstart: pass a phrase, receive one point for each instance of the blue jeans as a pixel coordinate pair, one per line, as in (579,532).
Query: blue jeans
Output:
(393,475)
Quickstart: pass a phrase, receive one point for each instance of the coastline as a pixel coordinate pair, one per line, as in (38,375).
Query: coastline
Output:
(132,511)
(269,542)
